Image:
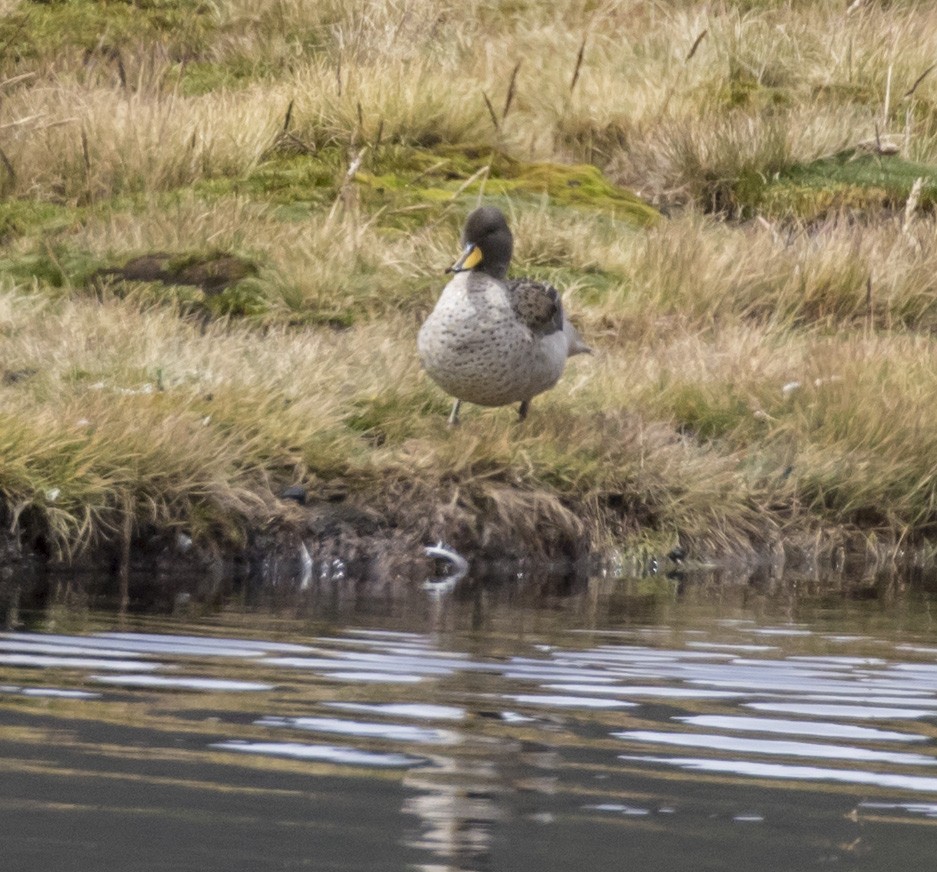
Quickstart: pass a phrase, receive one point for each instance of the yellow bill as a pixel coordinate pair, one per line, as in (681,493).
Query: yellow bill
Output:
(470,258)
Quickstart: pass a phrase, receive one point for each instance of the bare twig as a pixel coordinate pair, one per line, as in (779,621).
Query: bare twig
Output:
(509,98)
(124,569)
(50,253)
(491,112)
(578,67)
(428,171)
(118,58)
(886,109)
(86,155)
(442,213)
(917,81)
(16,79)
(25,120)
(344,191)
(11,173)
(695,46)
(284,137)
(673,87)
(355,165)
(764,222)
(482,173)
(304,147)
(910,207)
(882,146)
(108,53)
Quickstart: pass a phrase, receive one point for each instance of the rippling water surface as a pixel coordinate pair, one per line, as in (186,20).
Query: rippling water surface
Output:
(632,726)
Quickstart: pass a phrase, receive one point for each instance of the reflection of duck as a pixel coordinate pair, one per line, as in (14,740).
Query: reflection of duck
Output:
(490,340)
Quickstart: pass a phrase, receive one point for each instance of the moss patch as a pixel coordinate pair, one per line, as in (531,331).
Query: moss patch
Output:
(100,29)
(296,181)
(441,175)
(20,217)
(53,265)
(745,91)
(851,181)
(203,77)
(580,186)
(397,178)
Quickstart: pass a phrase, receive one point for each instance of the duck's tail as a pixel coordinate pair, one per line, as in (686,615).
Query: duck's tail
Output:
(574,343)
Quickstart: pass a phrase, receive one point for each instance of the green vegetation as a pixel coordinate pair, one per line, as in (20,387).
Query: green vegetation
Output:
(854,181)
(222,224)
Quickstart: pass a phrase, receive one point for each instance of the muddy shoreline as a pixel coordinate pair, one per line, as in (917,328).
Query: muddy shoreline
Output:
(312,548)
(332,552)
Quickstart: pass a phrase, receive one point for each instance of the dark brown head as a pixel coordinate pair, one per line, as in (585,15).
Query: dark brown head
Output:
(487,243)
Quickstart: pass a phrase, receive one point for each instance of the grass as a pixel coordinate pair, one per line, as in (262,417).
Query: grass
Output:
(222,225)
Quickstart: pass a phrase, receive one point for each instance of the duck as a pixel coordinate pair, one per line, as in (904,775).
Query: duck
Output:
(490,340)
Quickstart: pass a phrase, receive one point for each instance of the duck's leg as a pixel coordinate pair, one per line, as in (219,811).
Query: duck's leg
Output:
(523,410)
(454,414)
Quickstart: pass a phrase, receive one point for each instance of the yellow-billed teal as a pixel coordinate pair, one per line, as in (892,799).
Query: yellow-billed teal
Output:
(491,340)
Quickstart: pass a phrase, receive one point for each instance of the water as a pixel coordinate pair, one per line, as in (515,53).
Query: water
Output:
(630,725)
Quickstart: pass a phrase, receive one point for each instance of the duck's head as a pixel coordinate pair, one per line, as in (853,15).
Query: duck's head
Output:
(487,243)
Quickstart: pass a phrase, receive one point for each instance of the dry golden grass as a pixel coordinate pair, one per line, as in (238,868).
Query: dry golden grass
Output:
(753,378)
(764,86)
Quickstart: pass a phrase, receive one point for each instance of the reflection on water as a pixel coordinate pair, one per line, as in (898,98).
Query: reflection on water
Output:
(565,734)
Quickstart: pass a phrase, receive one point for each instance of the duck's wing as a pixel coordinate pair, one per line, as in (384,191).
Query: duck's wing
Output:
(537,305)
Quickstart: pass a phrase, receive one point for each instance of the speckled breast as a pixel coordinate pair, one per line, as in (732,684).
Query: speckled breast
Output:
(475,349)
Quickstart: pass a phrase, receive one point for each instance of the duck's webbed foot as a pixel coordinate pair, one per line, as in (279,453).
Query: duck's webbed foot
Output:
(523,410)
(454,414)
